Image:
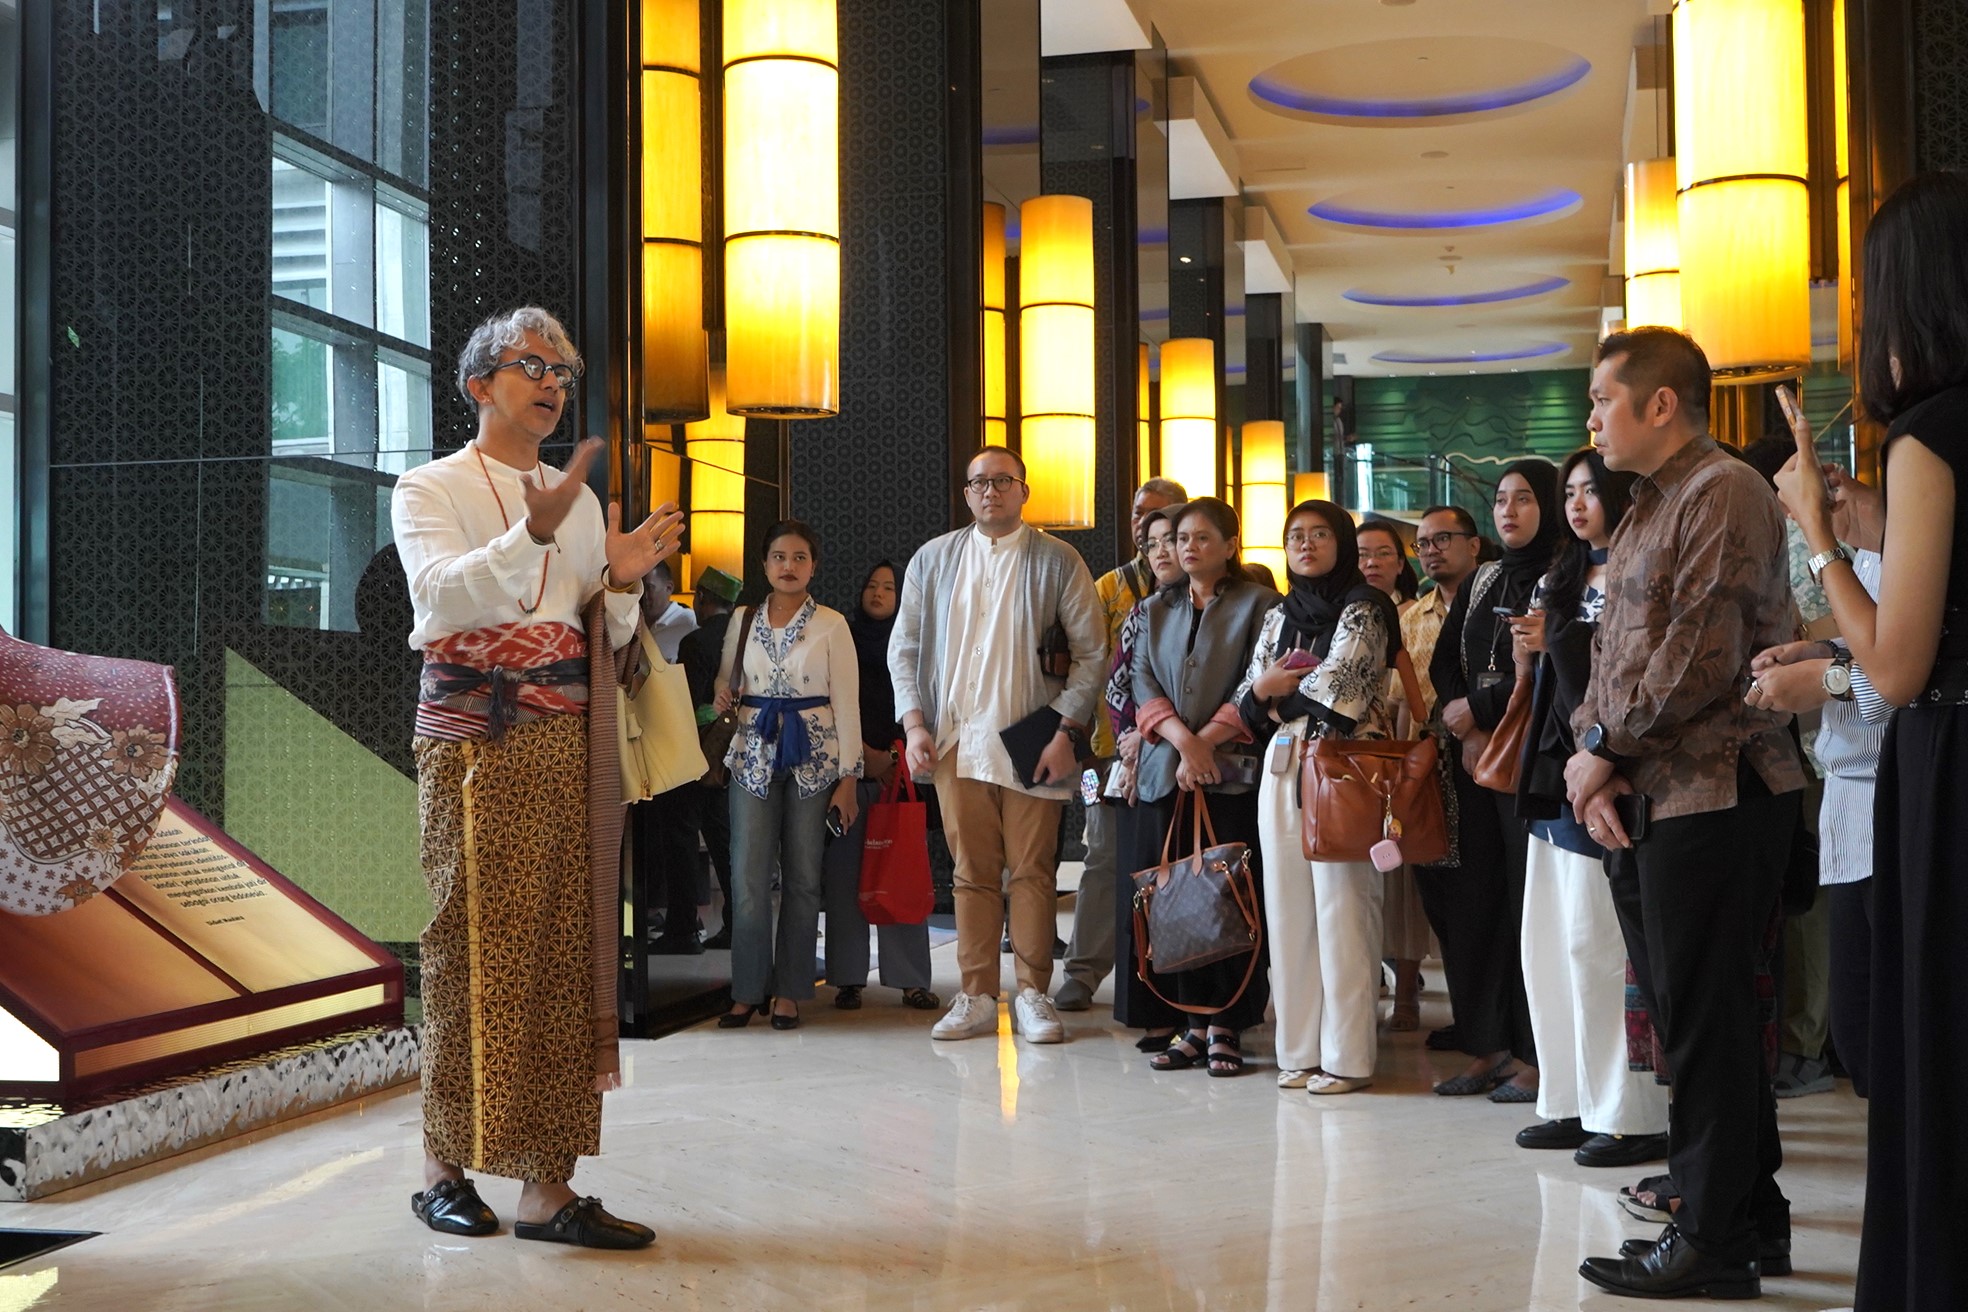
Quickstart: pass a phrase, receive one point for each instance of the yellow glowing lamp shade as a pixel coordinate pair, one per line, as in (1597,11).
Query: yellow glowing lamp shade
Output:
(1653,245)
(675,348)
(1263,493)
(715,448)
(994,325)
(1741,154)
(1309,487)
(1056,359)
(1841,127)
(665,468)
(1189,414)
(782,208)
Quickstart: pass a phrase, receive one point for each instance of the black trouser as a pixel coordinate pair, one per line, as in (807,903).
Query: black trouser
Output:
(1694,900)
(1477,911)
(666,867)
(1851,979)
(713,812)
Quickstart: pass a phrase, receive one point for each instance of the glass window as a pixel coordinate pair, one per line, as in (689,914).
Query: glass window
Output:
(402,268)
(303,406)
(300,235)
(403,436)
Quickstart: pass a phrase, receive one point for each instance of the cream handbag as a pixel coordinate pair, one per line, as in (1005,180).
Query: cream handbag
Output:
(656,726)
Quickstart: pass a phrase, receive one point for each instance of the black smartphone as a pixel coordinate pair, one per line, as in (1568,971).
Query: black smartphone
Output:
(1636,812)
(1505,612)
(834,825)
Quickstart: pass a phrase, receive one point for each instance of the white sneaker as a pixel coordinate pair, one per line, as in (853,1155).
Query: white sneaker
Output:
(970,1016)
(1033,1015)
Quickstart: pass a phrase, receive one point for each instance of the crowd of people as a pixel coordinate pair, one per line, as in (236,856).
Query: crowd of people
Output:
(1613,667)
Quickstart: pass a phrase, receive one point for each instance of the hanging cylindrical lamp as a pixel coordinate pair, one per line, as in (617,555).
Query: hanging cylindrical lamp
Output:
(1309,487)
(675,348)
(1144,401)
(1189,414)
(1653,244)
(781,208)
(1841,109)
(1262,495)
(1056,359)
(1741,152)
(716,450)
(994,325)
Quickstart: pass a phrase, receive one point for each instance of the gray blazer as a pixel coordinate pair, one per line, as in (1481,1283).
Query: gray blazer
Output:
(1057,585)
(1195,680)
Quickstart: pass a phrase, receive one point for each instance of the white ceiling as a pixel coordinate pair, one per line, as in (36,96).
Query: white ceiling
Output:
(1517,157)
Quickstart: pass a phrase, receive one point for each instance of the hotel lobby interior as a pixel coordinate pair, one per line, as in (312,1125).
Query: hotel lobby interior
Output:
(815,253)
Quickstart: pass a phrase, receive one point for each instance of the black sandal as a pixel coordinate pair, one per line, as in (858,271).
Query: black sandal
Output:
(1228,1062)
(848,997)
(920,999)
(1184,1051)
(1153,1042)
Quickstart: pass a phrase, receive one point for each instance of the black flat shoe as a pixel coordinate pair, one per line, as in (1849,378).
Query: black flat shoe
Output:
(1443,1040)
(848,998)
(1154,1042)
(720,941)
(1621,1150)
(1772,1259)
(791,1022)
(587,1223)
(1566,1133)
(453,1207)
(1673,1268)
(1468,1086)
(738,1020)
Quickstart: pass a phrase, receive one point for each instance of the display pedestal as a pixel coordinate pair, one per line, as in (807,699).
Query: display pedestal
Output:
(48,1147)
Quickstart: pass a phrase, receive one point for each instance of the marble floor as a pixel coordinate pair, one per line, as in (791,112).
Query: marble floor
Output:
(854,1163)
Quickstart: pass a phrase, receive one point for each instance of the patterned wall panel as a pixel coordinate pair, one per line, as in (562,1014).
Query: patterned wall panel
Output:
(874,480)
(1940,83)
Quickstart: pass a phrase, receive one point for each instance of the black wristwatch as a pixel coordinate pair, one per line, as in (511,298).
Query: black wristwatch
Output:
(1593,740)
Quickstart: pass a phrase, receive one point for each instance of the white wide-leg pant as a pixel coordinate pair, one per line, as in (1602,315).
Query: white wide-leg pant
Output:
(1324,922)
(1575,977)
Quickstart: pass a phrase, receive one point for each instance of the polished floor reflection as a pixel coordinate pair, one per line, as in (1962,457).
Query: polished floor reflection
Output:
(853,1163)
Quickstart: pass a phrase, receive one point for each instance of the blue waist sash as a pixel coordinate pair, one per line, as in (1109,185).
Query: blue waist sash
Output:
(780,727)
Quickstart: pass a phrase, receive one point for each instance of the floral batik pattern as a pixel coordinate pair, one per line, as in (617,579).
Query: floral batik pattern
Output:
(88,751)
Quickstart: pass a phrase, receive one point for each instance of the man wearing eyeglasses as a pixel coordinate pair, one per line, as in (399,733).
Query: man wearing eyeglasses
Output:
(505,554)
(1446,543)
(978,605)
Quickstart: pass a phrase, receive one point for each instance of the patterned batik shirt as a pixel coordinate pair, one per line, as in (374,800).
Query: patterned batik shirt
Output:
(1696,585)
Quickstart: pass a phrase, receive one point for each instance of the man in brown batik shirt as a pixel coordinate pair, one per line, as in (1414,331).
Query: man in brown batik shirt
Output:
(1696,585)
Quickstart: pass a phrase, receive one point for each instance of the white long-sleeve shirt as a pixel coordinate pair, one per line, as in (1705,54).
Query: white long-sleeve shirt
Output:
(473,567)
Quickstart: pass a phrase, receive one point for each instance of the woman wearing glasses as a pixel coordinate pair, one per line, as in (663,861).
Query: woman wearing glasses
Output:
(1405,936)
(1474,671)
(1196,638)
(1320,667)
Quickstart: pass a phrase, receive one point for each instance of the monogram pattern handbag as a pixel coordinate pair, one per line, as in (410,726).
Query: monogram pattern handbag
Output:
(1198,909)
(1358,793)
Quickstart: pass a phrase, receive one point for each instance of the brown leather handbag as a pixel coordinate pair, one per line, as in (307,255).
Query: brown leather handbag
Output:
(714,736)
(1196,910)
(1359,792)
(1496,769)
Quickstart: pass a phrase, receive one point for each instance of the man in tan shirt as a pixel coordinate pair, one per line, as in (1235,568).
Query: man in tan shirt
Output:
(1697,584)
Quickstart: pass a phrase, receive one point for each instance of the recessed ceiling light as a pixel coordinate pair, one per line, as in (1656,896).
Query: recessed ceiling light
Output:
(1182,259)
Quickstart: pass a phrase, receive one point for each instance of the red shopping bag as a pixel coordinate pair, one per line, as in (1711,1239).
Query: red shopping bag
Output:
(895,885)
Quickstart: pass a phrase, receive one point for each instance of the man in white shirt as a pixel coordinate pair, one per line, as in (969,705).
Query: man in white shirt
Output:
(669,623)
(977,606)
(504,555)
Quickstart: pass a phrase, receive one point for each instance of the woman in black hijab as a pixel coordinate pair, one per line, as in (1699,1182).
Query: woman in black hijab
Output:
(904,948)
(1320,668)
(1479,905)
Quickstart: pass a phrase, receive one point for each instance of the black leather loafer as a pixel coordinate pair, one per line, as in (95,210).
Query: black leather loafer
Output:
(1566,1133)
(453,1207)
(587,1223)
(1673,1268)
(1772,1259)
(1621,1150)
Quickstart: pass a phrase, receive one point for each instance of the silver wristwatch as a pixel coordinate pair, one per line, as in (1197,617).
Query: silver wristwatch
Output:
(1818,562)
(1838,676)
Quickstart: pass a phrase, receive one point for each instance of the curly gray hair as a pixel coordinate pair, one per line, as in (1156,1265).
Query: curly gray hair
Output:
(502,332)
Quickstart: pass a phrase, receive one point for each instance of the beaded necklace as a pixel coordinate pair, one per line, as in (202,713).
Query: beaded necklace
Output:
(540,596)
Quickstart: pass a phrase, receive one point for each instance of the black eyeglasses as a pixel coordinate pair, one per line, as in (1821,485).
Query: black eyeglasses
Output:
(1440,541)
(992,482)
(564,374)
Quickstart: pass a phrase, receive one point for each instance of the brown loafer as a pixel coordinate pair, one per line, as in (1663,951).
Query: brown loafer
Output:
(453,1207)
(587,1223)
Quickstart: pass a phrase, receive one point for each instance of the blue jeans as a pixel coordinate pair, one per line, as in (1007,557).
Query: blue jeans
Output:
(788,831)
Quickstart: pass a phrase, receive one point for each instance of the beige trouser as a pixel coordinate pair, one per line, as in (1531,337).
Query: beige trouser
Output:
(992,829)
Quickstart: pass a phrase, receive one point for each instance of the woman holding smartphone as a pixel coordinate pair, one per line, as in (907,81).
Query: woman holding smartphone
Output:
(1134,1005)
(1320,668)
(1574,955)
(1482,899)
(1196,638)
(1913,645)
(795,758)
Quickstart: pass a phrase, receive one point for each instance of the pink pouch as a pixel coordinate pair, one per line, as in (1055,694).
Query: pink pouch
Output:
(1386,855)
